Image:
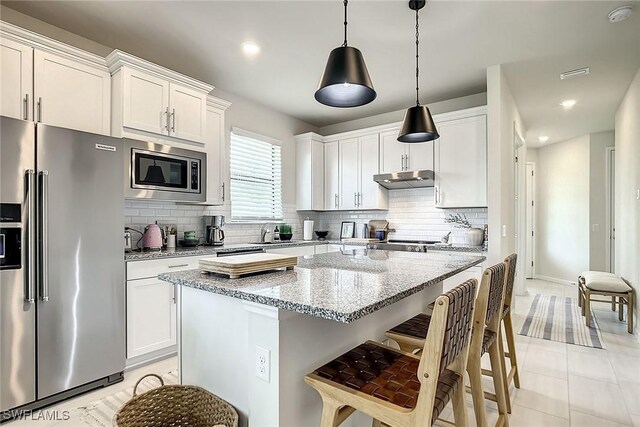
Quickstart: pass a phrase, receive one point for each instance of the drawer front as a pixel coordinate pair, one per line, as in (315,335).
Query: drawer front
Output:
(152,268)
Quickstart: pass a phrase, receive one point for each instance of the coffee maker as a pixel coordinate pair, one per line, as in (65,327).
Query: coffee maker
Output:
(213,233)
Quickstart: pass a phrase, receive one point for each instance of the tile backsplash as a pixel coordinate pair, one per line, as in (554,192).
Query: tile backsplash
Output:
(411,213)
(139,213)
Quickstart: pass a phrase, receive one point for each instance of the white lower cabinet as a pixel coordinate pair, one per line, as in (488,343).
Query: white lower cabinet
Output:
(152,324)
(151,316)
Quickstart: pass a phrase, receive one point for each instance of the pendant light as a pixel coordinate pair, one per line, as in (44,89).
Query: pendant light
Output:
(345,81)
(417,125)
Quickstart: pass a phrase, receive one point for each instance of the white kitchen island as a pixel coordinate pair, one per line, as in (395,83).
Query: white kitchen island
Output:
(252,340)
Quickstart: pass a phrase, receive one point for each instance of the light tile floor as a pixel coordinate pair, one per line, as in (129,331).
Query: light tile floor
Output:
(561,384)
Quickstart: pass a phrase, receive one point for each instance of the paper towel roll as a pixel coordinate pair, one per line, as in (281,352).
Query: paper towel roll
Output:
(308,229)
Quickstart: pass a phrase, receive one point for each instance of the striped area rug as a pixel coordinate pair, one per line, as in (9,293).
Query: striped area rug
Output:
(101,412)
(559,319)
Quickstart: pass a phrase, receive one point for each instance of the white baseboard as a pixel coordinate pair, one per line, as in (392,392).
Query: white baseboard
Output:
(554,280)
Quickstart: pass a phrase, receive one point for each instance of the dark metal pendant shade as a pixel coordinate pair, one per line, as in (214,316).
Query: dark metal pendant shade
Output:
(154,175)
(418,125)
(345,81)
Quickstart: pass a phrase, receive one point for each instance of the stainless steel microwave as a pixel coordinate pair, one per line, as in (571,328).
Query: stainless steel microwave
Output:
(163,172)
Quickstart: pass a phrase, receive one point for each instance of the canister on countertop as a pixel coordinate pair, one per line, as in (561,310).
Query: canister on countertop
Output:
(308,229)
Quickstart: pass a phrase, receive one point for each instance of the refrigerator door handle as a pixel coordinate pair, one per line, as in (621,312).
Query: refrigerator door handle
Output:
(30,276)
(43,259)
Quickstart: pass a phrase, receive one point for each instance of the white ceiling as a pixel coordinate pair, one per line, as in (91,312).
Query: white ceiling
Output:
(536,40)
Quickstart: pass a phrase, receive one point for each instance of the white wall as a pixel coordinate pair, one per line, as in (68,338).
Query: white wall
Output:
(598,234)
(562,184)
(627,181)
(454,104)
(503,119)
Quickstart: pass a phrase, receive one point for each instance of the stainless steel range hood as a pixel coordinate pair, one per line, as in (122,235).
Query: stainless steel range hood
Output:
(411,179)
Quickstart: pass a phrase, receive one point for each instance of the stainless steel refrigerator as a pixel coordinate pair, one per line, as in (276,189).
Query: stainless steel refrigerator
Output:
(62,317)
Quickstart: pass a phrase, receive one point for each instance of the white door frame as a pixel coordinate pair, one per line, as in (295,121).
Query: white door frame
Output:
(519,202)
(610,209)
(529,254)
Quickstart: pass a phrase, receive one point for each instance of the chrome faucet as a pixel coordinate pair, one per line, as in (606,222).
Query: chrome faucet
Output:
(264,230)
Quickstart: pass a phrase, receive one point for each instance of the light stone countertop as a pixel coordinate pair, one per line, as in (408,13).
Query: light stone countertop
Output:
(337,286)
(211,250)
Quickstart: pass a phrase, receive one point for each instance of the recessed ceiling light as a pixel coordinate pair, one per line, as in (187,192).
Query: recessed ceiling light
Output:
(568,104)
(250,48)
(575,73)
(620,14)
(543,139)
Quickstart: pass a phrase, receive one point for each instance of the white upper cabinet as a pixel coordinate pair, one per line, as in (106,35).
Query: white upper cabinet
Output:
(392,152)
(188,113)
(370,194)
(16,80)
(47,81)
(357,165)
(396,156)
(216,149)
(419,156)
(154,103)
(348,173)
(145,101)
(331,176)
(309,172)
(70,94)
(461,163)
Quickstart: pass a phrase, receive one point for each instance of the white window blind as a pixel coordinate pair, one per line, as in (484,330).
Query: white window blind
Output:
(256,177)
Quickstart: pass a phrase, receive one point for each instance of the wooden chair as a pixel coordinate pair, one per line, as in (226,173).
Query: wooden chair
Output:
(512,375)
(486,327)
(402,389)
(607,285)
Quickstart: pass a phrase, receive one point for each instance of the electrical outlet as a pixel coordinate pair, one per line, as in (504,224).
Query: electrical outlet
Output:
(263,363)
(504,231)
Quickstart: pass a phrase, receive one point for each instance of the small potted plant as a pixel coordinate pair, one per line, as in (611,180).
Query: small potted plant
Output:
(475,236)
(286,232)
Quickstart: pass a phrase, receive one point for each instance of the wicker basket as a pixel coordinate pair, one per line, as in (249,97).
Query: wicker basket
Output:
(175,406)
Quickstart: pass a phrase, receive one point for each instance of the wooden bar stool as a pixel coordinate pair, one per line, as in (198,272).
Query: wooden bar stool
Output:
(512,375)
(401,389)
(607,285)
(484,338)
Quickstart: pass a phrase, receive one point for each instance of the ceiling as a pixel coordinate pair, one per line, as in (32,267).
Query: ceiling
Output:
(536,40)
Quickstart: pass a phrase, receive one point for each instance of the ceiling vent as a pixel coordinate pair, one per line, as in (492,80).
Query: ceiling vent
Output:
(575,73)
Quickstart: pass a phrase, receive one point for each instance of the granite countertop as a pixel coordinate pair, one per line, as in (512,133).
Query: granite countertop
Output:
(338,286)
(211,250)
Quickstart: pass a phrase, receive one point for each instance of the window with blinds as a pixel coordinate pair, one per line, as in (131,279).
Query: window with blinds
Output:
(256,177)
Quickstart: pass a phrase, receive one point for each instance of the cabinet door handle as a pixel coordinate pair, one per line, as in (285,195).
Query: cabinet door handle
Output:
(26,107)
(178,265)
(173,120)
(437,196)
(355,199)
(335,200)
(402,162)
(359,199)
(166,119)
(40,109)
(223,191)
(406,162)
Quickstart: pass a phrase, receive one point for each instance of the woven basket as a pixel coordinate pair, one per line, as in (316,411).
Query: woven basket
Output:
(175,406)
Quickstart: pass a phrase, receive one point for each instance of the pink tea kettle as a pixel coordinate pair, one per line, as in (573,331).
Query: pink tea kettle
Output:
(152,238)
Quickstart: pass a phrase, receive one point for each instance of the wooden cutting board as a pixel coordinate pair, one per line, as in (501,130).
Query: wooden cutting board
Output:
(238,265)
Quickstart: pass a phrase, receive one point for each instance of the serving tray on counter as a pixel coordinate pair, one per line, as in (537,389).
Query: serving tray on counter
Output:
(236,266)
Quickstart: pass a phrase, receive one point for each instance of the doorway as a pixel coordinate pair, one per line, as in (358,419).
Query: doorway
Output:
(610,209)
(530,217)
